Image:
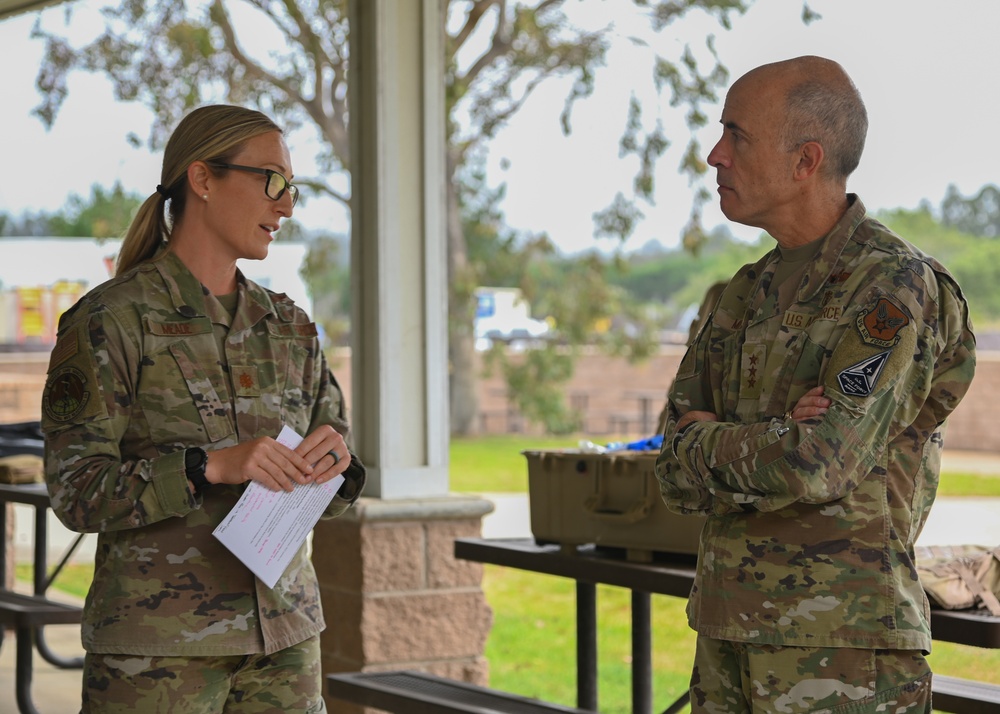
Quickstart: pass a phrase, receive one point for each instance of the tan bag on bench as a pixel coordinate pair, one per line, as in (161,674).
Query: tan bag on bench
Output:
(960,577)
(22,468)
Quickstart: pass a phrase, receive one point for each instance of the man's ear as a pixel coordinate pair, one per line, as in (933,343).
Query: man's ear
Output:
(810,158)
(198,175)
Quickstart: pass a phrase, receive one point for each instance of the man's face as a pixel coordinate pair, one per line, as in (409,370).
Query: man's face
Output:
(754,169)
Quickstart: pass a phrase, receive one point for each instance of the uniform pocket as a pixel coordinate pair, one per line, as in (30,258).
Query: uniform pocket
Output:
(180,399)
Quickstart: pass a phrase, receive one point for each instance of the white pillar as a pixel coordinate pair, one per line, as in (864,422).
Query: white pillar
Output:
(399,407)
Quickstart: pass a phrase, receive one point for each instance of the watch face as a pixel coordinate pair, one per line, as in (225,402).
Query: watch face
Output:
(195,459)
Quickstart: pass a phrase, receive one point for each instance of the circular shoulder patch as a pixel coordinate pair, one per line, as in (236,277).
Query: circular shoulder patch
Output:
(66,395)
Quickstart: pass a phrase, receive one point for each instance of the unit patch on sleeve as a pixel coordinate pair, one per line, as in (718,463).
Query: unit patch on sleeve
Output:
(67,394)
(859,379)
(881,323)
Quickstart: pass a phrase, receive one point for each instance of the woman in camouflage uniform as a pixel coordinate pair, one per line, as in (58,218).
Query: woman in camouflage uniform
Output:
(165,392)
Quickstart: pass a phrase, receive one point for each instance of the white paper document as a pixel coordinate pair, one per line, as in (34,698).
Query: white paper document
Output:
(266,528)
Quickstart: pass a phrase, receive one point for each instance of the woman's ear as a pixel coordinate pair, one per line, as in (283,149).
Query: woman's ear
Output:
(199,176)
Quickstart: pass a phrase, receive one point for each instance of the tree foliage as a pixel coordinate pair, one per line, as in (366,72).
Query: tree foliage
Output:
(969,258)
(291,60)
(26,225)
(107,213)
(977,215)
(328,281)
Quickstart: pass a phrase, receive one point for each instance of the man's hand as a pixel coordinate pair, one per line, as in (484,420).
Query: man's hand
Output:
(693,416)
(811,405)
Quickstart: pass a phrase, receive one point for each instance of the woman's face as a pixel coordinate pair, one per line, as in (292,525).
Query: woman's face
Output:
(239,213)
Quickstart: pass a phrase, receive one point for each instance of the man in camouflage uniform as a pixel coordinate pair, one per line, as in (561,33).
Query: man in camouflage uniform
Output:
(146,366)
(806,420)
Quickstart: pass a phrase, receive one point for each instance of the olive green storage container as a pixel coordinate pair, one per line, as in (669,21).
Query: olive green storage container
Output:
(610,499)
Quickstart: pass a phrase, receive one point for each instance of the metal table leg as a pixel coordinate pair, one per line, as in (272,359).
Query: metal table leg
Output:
(23,671)
(42,582)
(642,645)
(586,646)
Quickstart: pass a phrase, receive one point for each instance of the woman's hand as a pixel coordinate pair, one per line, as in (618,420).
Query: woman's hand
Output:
(318,449)
(263,459)
(276,466)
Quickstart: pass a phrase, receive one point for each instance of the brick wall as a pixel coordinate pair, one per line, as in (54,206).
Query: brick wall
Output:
(609,394)
(614,390)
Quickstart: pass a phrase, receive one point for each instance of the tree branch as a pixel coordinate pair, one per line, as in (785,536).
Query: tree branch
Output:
(472,20)
(221,17)
(320,186)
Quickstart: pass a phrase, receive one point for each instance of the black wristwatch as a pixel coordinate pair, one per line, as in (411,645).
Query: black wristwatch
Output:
(677,436)
(195,462)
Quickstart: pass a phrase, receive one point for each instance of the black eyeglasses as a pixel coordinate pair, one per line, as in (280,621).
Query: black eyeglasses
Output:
(274,187)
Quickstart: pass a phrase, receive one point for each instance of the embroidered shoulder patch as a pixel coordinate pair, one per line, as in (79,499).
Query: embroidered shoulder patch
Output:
(881,323)
(65,348)
(67,394)
(859,379)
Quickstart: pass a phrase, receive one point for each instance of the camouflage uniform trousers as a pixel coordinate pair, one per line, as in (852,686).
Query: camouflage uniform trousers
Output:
(731,677)
(287,681)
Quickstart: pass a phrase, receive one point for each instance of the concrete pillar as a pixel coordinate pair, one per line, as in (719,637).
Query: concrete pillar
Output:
(393,594)
(399,264)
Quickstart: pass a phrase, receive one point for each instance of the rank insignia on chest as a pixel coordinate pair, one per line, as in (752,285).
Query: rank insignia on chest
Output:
(880,324)
(859,379)
(752,372)
(245,380)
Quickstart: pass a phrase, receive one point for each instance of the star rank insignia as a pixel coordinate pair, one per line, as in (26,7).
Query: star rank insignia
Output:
(752,373)
(859,379)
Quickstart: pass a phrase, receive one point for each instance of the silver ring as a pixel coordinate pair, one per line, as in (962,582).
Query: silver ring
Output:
(336,459)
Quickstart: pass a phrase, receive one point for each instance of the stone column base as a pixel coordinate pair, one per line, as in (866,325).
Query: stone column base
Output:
(395,597)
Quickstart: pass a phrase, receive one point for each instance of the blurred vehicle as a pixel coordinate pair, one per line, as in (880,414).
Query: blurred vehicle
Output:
(504,315)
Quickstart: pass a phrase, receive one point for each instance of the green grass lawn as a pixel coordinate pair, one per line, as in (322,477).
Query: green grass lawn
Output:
(495,463)
(531,648)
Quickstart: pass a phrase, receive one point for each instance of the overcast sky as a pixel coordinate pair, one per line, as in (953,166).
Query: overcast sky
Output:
(928,79)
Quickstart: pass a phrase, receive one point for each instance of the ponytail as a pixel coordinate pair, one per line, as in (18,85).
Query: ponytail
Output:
(147,232)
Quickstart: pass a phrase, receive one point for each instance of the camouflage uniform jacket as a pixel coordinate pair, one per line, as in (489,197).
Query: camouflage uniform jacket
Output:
(134,379)
(811,525)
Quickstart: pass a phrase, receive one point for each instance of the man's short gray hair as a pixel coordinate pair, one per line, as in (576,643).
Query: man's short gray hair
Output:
(832,114)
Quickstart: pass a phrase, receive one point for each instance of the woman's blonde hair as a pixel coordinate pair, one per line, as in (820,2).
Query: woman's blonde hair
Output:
(212,133)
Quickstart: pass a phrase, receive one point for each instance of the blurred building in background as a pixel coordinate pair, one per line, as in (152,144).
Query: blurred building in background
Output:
(41,278)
